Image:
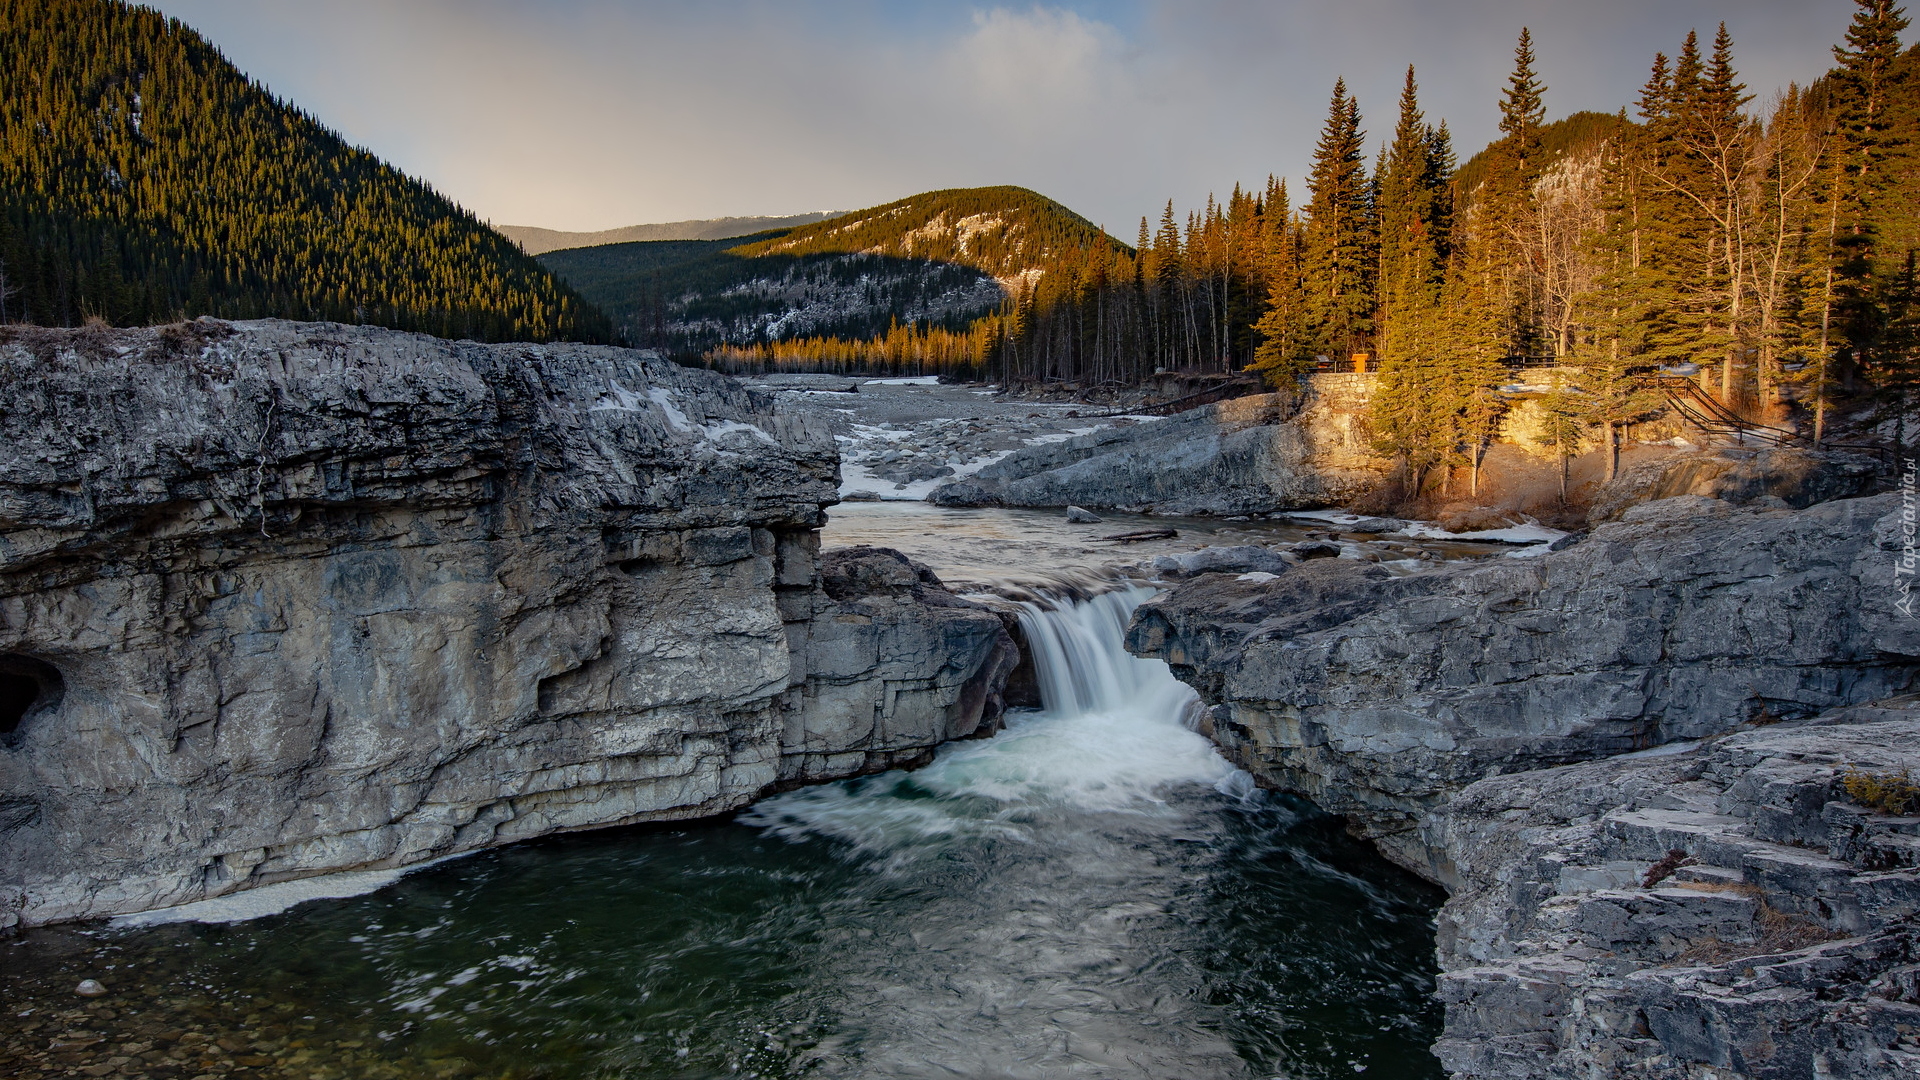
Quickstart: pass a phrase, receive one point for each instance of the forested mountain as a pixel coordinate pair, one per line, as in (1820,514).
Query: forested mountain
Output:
(143,178)
(537,241)
(932,267)
(1764,250)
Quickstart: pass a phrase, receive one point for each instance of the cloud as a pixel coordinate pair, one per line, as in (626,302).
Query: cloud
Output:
(1038,66)
(596,113)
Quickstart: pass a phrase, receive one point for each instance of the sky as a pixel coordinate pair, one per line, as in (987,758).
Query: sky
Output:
(594,114)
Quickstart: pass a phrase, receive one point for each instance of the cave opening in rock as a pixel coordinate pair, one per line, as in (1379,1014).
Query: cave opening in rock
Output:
(26,686)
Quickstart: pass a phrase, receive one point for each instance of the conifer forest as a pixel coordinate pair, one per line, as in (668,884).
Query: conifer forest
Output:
(143,179)
(1762,251)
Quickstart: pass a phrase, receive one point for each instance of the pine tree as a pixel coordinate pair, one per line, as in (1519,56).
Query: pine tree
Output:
(1283,354)
(1338,269)
(1406,209)
(1863,86)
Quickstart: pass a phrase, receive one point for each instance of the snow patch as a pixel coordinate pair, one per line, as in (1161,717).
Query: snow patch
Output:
(675,418)
(1063,436)
(1332,517)
(617,399)
(273,899)
(727,427)
(855,476)
(1665,750)
(1528,533)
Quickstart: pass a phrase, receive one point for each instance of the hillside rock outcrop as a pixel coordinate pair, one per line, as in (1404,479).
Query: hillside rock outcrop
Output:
(1379,695)
(278,599)
(1779,476)
(1729,910)
(1246,455)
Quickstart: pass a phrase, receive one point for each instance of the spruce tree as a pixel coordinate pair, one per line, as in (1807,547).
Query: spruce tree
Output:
(1402,407)
(1863,87)
(1406,202)
(1502,211)
(1337,267)
(1283,353)
(1523,108)
(1441,165)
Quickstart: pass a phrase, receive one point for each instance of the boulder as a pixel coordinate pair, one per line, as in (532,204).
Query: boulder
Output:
(964,493)
(1234,559)
(1316,549)
(1082,517)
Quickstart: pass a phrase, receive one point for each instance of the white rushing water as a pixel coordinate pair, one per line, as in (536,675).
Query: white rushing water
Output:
(1114,734)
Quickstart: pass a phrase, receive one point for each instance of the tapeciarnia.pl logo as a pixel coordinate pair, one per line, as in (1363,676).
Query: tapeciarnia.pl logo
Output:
(1905,565)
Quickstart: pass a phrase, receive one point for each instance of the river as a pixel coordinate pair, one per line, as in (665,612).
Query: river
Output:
(1094,892)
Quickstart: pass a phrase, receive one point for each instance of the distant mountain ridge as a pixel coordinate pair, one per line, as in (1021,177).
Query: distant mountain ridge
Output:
(939,259)
(537,241)
(144,178)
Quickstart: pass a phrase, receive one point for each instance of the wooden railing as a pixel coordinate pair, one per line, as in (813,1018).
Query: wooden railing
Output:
(1710,415)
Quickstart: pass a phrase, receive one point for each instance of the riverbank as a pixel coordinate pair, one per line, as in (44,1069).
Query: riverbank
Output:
(1093,892)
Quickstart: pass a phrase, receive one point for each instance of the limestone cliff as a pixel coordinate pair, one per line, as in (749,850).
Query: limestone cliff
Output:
(279,598)
(1703,897)
(1379,696)
(1248,455)
(1729,910)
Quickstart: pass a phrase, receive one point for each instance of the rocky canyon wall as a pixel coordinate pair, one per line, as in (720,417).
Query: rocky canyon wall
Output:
(278,599)
(1666,775)
(1380,695)
(1728,910)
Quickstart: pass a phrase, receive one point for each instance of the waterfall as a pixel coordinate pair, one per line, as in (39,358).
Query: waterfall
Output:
(1079,651)
(1114,735)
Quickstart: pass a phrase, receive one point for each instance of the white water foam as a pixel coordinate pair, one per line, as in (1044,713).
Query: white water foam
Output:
(1115,735)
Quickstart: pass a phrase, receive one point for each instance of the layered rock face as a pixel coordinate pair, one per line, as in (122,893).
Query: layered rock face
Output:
(1729,911)
(1247,455)
(1379,696)
(1767,476)
(894,665)
(278,599)
(1727,886)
